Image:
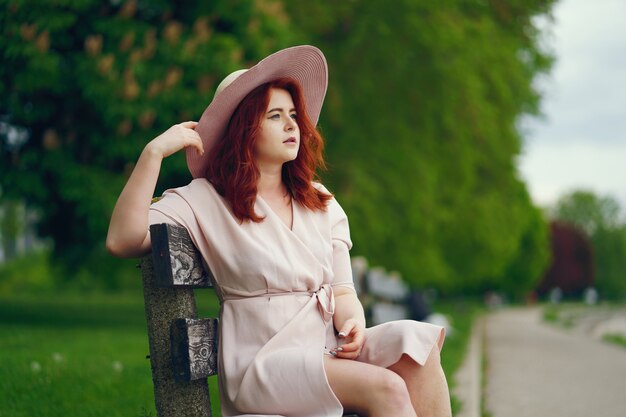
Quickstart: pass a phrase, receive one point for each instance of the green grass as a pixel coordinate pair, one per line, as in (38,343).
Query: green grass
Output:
(85,355)
(463,314)
(551,314)
(569,314)
(615,338)
(77,356)
(560,315)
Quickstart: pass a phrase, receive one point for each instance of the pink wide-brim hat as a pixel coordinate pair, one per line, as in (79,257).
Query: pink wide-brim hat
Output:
(306,64)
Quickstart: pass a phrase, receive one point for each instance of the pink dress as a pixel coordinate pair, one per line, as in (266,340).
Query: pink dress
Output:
(275,285)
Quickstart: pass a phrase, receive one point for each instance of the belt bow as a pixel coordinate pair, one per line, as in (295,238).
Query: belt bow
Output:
(326,301)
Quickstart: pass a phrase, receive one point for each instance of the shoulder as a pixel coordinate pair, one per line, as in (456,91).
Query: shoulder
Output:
(321,188)
(333,208)
(190,203)
(197,187)
(336,217)
(331,205)
(198,191)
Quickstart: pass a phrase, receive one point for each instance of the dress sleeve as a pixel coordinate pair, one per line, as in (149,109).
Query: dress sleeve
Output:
(171,209)
(340,233)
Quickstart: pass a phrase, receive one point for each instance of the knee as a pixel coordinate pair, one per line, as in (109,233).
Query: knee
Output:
(435,356)
(392,390)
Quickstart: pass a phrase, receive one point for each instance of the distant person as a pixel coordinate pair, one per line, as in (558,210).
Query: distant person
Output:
(293,340)
(418,306)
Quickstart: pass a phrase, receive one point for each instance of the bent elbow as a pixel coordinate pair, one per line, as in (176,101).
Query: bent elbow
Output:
(121,248)
(114,248)
(117,249)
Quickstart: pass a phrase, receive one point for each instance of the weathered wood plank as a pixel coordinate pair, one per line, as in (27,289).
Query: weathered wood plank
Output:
(177,262)
(194,348)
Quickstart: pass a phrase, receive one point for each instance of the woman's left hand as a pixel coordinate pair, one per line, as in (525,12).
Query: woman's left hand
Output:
(353,332)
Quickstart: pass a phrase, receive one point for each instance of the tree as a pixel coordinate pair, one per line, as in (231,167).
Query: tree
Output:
(599,217)
(572,269)
(11,226)
(421,122)
(84,84)
(588,211)
(420,117)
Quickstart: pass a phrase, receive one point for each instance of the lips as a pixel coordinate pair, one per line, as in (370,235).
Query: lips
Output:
(290,140)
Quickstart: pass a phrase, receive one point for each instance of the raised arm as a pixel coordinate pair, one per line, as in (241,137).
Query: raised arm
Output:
(129,234)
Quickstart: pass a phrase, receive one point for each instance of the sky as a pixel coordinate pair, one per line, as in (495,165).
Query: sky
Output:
(580,142)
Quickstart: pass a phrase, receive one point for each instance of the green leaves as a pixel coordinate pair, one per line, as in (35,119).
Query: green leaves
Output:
(420,117)
(422,138)
(94,81)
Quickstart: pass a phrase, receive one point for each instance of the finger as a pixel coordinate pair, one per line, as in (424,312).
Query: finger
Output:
(354,344)
(347,355)
(355,332)
(349,347)
(199,146)
(195,141)
(190,124)
(347,328)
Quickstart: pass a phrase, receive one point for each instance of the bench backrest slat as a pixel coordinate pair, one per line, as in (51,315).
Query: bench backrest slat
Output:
(194,348)
(177,262)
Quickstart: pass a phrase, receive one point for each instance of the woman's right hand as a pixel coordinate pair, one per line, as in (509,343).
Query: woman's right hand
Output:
(176,138)
(128,231)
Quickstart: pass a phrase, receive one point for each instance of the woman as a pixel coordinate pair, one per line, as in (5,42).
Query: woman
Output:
(293,340)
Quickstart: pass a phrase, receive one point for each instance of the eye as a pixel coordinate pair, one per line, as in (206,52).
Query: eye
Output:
(275,116)
(294,116)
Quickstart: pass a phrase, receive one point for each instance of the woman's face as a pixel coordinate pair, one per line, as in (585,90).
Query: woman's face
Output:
(279,136)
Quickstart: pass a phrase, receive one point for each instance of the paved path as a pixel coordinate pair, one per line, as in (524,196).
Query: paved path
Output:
(535,369)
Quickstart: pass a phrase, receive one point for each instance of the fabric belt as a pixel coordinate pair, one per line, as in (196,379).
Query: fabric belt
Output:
(325,298)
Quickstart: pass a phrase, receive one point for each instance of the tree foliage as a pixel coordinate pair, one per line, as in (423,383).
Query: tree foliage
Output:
(84,84)
(600,218)
(420,117)
(421,122)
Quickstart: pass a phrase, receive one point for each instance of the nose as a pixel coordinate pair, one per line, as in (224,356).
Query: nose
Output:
(290,125)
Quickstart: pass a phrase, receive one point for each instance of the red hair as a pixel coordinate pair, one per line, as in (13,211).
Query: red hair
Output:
(232,169)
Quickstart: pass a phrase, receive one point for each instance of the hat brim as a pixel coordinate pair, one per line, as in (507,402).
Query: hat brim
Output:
(305,64)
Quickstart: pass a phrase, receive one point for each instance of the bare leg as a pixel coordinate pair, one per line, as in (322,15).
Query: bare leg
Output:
(367,389)
(427,385)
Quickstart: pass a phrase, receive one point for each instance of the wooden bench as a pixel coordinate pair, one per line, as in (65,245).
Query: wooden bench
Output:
(183,347)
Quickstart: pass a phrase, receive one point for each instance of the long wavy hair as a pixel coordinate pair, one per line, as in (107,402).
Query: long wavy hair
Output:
(232,169)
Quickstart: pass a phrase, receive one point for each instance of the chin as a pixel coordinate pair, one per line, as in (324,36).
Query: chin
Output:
(292,157)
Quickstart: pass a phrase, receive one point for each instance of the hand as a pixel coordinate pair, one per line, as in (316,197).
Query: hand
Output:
(176,138)
(354,334)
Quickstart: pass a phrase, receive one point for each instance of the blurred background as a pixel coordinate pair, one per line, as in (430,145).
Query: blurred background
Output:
(478,147)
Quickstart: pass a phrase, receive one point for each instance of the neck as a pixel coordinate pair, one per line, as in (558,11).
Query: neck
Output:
(270,181)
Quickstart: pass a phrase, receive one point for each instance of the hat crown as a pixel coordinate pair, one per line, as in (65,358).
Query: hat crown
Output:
(230,78)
